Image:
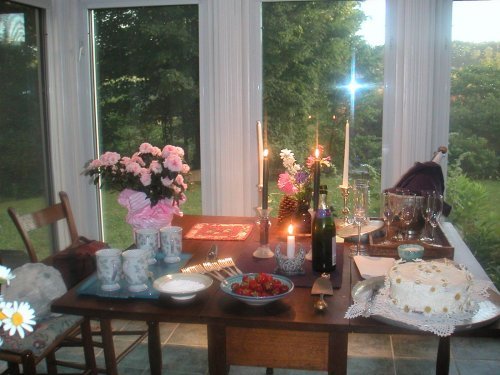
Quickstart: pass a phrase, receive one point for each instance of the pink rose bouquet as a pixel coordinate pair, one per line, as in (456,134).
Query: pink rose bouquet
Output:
(151,182)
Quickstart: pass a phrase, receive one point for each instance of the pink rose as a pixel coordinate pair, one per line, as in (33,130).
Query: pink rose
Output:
(179,151)
(286,185)
(136,158)
(185,168)
(167,181)
(134,168)
(167,150)
(155,151)
(173,162)
(180,181)
(94,164)
(155,167)
(145,177)
(145,148)
(110,158)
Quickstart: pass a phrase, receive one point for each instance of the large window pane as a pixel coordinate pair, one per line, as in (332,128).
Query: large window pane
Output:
(321,70)
(24,178)
(474,157)
(147,90)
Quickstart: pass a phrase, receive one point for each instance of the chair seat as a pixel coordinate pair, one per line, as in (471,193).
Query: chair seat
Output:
(46,333)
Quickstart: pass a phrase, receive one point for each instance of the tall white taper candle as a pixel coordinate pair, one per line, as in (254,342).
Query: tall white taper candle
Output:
(345,177)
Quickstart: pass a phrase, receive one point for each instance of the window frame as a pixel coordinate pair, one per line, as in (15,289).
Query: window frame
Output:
(230,97)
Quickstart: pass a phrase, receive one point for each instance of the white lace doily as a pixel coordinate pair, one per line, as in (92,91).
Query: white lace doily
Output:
(377,303)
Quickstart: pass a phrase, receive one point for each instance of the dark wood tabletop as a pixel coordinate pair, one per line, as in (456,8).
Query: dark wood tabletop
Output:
(292,320)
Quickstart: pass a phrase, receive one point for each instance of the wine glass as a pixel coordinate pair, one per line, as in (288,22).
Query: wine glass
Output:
(360,196)
(435,202)
(408,203)
(397,205)
(426,210)
(387,214)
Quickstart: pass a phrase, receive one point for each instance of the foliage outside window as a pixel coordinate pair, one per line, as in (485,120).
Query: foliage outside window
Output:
(474,156)
(311,53)
(146,69)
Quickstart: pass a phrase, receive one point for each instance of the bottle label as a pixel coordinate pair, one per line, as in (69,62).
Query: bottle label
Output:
(334,251)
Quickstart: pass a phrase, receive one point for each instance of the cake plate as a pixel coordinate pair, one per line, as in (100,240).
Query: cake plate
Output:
(487,312)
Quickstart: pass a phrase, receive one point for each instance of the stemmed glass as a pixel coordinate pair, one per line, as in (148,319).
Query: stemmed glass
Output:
(387,214)
(360,195)
(398,209)
(408,203)
(426,214)
(435,204)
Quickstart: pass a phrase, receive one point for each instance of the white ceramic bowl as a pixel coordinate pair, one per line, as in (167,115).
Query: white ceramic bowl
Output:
(182,286)
(255,301)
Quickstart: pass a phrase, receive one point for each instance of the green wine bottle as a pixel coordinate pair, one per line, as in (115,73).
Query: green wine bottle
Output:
(324,249)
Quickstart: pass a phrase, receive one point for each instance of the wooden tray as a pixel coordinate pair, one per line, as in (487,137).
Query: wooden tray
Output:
(442,249)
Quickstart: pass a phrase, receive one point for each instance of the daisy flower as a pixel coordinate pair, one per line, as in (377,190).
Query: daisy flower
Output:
(4,306)
(19,317)
(5,275)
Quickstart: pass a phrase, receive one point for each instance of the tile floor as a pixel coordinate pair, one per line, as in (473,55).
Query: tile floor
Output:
(185,353)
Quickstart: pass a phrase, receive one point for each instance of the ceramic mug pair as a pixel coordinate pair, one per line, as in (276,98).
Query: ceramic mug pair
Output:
(168,239)
(133,263)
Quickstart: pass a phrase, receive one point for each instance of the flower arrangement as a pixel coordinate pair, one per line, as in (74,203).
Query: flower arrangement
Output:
(151,182)
(297,179)
(14,316)
(296,182)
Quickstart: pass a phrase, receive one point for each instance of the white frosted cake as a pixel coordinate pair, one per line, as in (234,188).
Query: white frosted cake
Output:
(430,287)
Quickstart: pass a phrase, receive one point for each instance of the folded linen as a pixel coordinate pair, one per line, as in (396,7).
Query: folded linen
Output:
(373,266)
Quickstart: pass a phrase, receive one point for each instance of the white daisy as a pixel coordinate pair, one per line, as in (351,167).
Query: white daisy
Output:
(19,317)
(5,275)
(3,306)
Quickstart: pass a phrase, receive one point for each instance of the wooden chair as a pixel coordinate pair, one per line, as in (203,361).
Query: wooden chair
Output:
(61,211)
(46,216)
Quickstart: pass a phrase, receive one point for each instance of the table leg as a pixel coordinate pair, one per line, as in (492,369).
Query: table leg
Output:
(337,353)
(108,347)
(88,346)
(154,348)
(216,334)
(443,356)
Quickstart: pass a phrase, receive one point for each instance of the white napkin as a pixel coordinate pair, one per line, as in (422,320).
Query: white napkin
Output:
(373,266)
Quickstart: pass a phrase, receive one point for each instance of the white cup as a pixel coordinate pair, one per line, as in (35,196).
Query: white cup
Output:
(109,268)
(147,240)
(135,269)
(171,243)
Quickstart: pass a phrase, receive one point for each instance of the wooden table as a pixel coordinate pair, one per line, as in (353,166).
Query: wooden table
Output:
(285,334)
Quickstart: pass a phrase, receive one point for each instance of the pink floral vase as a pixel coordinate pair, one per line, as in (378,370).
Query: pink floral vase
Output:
(140,213)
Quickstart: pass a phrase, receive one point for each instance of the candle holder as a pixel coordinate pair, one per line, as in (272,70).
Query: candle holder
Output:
(263,251)
(344,190)
(290,266)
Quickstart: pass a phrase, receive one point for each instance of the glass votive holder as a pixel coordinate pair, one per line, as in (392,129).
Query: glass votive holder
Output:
(290,266)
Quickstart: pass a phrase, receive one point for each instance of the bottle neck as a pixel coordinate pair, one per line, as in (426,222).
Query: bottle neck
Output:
(322,205)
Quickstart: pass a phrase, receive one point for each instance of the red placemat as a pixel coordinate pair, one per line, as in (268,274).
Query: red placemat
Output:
(210,231)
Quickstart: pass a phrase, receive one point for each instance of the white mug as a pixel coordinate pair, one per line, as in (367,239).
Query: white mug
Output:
(135,269)
(171,243)
(147,240)
(109,268)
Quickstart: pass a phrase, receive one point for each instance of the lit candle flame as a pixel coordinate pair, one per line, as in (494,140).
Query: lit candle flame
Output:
(265,152)
(316,153)
(290,229)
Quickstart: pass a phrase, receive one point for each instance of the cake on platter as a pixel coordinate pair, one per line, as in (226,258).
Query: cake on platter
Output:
(430,287)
